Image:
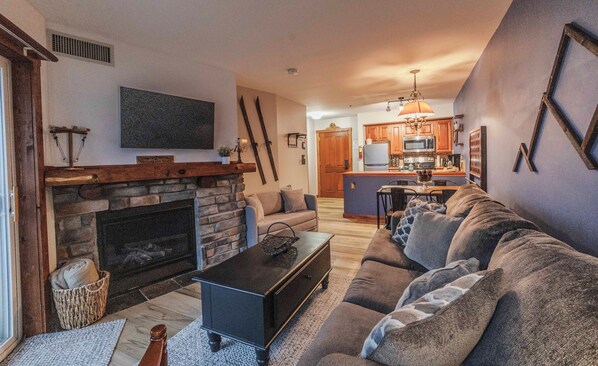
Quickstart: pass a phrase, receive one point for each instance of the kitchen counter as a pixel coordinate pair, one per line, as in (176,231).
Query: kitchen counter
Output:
(394,173)
(359,188)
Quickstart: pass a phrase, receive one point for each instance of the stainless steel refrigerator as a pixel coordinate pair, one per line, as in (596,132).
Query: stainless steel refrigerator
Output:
(375,156)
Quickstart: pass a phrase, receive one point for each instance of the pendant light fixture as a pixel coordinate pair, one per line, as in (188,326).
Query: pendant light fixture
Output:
(416,111)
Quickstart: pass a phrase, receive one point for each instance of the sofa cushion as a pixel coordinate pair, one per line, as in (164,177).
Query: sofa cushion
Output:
(255,202)
(405,225)
(293,200)
(436,279)
(271,202)
(382,249)
(343,332)
(461,203)
(481,230)
(548,314)
(440,328)
(430,238)
(291,219)
(379,286)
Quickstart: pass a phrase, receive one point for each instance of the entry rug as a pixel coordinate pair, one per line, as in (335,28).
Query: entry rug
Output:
(190,346)
(89,346)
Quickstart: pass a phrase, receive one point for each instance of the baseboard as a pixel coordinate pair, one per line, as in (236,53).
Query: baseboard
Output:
(369,218)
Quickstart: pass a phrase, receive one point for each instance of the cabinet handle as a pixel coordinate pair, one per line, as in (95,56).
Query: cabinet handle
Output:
(308,277)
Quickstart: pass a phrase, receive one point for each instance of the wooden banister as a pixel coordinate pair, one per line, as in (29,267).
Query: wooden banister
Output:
(157,352)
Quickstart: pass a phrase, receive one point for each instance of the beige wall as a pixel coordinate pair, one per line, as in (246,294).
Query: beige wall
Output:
(291,117)
(281,116)
(253,182)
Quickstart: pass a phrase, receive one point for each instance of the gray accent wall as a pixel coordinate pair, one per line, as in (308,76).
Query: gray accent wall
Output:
(503,93)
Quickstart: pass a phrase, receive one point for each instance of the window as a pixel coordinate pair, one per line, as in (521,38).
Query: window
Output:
(10,324)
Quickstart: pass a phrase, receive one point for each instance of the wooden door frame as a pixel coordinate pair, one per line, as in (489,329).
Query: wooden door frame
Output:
(330,130)
(26,55)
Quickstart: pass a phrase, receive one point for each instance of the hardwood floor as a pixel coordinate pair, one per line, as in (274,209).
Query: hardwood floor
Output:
(179,308)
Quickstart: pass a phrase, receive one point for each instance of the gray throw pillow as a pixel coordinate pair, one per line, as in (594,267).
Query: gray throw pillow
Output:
(254,202)
(294,200)
(414,207)
(482,230)
(436,279)
(430,238)
(439,329)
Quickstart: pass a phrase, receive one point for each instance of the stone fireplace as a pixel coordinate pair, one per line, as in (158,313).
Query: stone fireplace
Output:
(147,231)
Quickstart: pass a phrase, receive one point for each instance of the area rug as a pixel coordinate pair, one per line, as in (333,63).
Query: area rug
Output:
(92,345)
(190,346)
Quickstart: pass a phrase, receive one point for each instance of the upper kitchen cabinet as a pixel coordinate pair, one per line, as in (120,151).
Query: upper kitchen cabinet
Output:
(444,136)
(377,132)
(426,130)
(396,139)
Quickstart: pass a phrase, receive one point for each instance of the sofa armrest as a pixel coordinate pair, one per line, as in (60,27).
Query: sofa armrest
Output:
(394,220)
(251,223)
(339,359)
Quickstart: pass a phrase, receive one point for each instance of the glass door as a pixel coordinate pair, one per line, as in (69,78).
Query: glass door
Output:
(10,322)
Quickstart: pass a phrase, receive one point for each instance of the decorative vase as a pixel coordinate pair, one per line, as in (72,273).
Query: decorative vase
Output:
(225,159)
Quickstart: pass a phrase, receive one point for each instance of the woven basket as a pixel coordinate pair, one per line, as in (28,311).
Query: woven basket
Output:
(276,244)
(82,306)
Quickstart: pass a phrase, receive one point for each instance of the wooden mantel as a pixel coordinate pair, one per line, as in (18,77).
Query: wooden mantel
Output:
(61,176)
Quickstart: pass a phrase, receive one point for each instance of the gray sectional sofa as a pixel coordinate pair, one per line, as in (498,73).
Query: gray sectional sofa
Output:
(547,314)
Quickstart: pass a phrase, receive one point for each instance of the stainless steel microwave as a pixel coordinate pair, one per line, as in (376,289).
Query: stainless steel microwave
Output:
(419,144)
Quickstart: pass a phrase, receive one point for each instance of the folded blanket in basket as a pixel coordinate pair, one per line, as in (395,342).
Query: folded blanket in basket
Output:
(74,273)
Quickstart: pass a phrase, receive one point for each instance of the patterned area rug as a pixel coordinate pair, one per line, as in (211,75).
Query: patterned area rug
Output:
(92,345)
(190,346)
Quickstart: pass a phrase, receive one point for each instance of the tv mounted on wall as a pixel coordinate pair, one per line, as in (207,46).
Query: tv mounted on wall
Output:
(161,121)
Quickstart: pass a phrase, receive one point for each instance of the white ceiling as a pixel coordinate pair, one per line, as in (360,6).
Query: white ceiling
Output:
(348,52)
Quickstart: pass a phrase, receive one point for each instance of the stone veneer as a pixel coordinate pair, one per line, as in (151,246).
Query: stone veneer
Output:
(219,207)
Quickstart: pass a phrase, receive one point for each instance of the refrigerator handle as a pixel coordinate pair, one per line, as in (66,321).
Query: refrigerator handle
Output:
(346,164)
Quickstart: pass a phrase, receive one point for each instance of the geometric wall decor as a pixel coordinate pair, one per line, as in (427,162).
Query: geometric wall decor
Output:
(583,146)
(478,157)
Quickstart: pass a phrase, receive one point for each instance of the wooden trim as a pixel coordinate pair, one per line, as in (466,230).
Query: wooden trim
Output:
(59,176)
(29,165)
(318,132)
(26,42)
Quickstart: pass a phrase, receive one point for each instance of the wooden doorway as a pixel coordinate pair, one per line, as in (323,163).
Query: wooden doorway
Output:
(334,159)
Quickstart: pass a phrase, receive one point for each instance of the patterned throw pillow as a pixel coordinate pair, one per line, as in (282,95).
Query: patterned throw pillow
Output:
(444,325)
(414,207)
(436,279)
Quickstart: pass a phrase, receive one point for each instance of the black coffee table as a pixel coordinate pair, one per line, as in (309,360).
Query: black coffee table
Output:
(251,297)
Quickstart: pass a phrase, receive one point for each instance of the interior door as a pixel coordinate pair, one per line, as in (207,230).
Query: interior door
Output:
(334,158)
(10,329)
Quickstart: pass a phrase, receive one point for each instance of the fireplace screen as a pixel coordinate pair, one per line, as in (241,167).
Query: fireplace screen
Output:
(142,245)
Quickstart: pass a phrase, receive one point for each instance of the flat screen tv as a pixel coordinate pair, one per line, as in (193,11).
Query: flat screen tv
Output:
(161,121)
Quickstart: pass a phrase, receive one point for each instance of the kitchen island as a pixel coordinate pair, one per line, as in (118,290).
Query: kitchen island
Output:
(360,188)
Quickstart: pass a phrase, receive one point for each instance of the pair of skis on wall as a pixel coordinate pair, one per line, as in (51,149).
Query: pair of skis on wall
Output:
(254,144)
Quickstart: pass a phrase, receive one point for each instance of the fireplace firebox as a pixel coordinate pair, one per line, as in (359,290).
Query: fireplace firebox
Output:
(143,245)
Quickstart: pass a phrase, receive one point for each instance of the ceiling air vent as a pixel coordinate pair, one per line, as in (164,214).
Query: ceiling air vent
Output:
(82,49)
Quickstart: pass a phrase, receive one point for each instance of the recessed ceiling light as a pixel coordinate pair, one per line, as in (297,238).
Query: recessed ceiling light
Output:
(316,115)
(292,71)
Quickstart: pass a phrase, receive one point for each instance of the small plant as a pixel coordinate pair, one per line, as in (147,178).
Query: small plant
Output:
(224,151)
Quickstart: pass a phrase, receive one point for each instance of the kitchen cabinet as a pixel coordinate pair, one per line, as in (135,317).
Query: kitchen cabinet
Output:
(377,132)
(396,140)
(443,131)
(426,130)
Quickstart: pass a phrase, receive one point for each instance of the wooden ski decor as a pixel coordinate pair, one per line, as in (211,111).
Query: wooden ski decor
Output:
(584,146)
(265,132)
(252,140)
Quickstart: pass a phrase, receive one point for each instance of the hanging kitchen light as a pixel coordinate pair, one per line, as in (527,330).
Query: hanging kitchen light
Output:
(416,110)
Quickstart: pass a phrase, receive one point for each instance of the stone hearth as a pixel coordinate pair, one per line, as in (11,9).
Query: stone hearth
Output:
(219,204)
